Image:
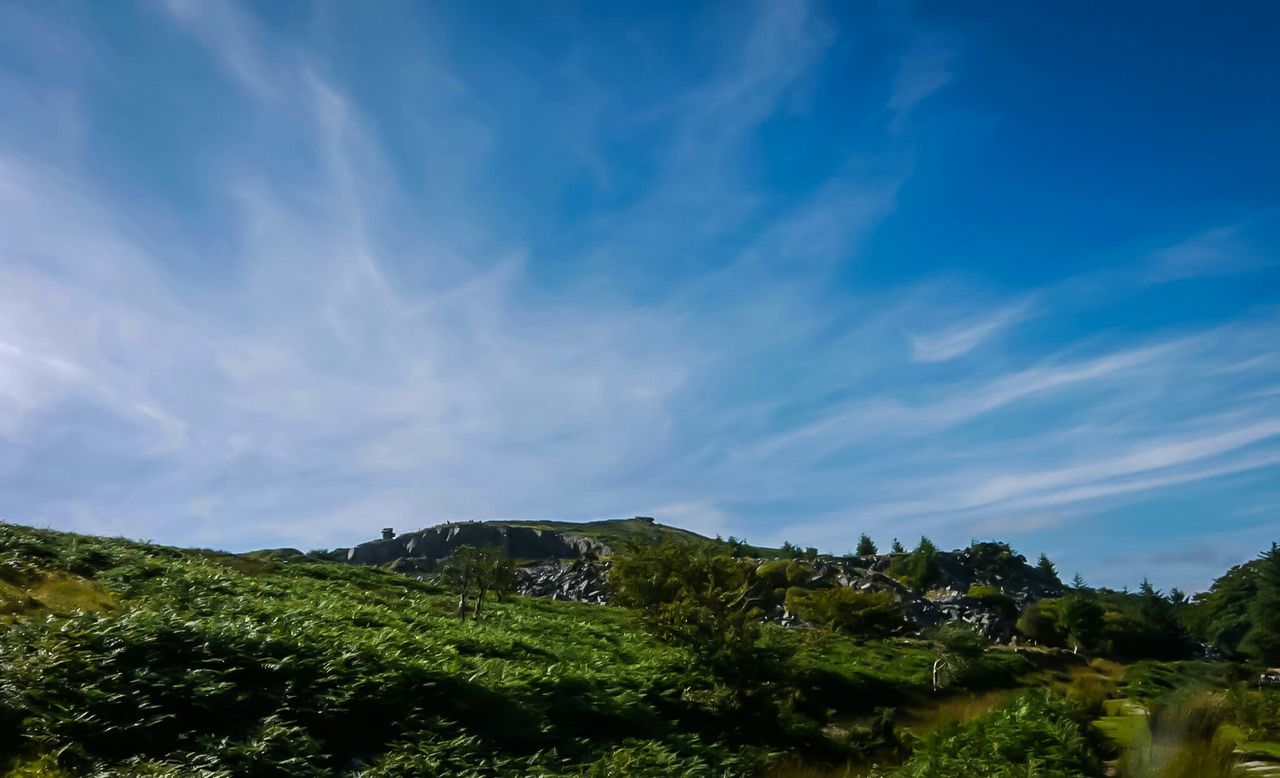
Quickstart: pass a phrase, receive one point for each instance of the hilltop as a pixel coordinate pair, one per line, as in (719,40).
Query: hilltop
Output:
(985,585)
(519,539)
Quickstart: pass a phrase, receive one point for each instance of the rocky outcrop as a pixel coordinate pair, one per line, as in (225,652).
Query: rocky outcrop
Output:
(581,579)
(989,564)
(438,542)
(566,566)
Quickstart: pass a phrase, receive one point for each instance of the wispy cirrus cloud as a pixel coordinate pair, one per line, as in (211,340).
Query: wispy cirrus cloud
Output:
(234,39)
(962,337)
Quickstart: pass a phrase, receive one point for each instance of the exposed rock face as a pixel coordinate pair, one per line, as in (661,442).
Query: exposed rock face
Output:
(581,580)
(439,542)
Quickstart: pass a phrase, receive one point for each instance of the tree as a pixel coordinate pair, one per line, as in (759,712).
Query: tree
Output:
(1078,583)
(1262,642)
(1047,567)
(464,570)
(897,547)
(1082,619)
(956,646)
(502,578)
(917,569)
(866,546)
(1154,629)
(737,546)
(1221,616)
(790,550)
(694,597)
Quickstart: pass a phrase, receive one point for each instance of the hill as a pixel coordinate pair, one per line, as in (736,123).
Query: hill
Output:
(985,585)
(128,659)
(520,539)
(131,659)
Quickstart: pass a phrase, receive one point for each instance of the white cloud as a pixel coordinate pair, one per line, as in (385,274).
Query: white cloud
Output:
(233,38)
(1213,252)
(964,336)
(925,69)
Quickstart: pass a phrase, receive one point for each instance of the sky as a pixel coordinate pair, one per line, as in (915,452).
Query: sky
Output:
(282,274)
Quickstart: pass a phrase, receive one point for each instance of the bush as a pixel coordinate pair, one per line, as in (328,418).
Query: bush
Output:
(1255,711)
(695,598)
(1039,734)
(1041,623)
(845,609)
(993,598)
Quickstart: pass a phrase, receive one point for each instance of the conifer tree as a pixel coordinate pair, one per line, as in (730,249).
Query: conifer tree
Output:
(1047,566)
(866,546)
(897,547)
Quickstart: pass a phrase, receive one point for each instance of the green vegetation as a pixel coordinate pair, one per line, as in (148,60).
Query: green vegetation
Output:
(130,659)
(477,571)
(957,648)
(1047,567)
(1133,626)
(863,614)
(219,665)
(616,533)
(1183,739)
(1039,734)
(917,569)
(1262,641)
(866,546)
(994,598)
(695,598)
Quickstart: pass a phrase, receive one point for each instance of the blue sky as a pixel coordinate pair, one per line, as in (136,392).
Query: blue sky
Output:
(286,273)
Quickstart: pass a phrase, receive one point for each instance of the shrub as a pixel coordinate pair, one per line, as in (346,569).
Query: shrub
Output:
(694,598)
(1038,734)
(1255,711)
(848,610)
(956,647)
(993,598)
(1041,622)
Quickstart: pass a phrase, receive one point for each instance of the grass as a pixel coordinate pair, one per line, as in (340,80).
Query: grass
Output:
(1124,722)
(162,660)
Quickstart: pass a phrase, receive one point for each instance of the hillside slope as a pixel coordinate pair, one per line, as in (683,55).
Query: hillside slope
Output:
(131,659)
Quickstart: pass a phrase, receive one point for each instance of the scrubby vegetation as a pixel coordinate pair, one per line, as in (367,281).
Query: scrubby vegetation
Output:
(130,659)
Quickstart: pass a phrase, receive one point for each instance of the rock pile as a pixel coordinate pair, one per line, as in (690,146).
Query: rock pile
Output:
(580,579)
